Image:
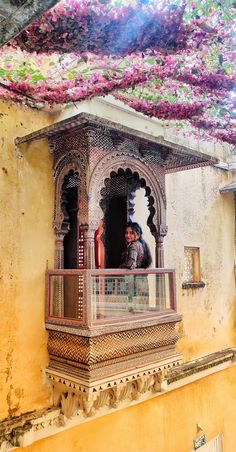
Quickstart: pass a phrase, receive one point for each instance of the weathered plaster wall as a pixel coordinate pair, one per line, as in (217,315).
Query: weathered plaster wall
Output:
(26,210)
(164,424)
(199,216)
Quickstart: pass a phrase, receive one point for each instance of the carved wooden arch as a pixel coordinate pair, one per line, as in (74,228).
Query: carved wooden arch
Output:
(138,182)
(70,161)
(67,163)
(125,160)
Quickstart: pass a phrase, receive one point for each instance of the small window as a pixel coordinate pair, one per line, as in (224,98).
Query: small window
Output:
(215,445)
(192,273)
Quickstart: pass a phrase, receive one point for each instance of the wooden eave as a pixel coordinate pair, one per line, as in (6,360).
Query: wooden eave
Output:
(173,157)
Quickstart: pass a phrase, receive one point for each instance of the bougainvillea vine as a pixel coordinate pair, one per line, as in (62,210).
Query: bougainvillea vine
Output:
(172,60)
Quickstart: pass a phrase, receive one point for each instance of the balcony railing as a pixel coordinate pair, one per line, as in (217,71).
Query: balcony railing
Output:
(92,297)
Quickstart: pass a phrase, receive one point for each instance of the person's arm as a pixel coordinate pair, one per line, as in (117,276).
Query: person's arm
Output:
(132,257)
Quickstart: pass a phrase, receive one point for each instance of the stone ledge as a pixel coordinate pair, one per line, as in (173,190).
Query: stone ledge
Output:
(201,364)
(19,430)
(193,285)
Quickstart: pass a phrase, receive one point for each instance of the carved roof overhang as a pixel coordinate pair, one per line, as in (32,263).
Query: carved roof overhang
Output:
(171,156)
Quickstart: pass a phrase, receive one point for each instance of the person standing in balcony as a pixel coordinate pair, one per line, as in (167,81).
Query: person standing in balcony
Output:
(137,253)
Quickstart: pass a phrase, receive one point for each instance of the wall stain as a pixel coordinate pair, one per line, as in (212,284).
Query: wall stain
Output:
(13,406)
(9,368)
(14,396)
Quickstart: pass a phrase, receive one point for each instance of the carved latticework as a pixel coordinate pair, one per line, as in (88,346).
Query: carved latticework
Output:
(112,354)
(113,163)
(117,346)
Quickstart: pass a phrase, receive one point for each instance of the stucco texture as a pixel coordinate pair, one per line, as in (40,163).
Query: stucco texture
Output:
(26,211)
(198,215)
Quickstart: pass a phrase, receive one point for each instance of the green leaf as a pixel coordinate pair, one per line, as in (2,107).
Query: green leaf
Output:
(150,60)
(36,78)
(21,73)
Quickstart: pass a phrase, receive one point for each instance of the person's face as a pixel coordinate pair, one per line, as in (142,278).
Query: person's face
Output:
(130,235)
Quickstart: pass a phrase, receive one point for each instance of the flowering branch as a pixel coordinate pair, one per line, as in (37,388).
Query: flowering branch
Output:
(171,62)
(87,26)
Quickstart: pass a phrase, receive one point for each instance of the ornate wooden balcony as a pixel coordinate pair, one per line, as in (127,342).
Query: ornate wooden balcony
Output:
(109,328)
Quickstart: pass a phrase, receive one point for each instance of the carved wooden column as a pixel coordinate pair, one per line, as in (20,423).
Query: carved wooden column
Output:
(160,279)
(59,283)
(162,231)
(59,251)
(160,252)
(89,253)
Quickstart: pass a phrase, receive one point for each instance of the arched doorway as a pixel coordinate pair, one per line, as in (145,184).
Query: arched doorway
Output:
(70,207)
(118,206)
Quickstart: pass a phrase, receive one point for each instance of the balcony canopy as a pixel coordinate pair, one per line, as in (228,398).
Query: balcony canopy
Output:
(172,157)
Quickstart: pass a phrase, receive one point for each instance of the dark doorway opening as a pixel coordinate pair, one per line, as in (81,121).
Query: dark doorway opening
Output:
(71,238)
(115,227)
(71,286)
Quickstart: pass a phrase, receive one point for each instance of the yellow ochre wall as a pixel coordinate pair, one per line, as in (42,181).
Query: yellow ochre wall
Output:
(26,210)
(163,424)
(198,215)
